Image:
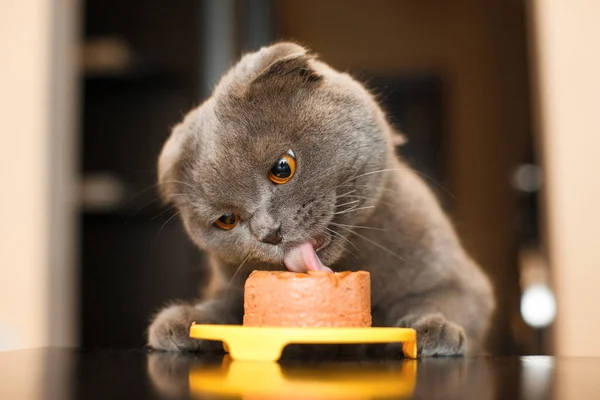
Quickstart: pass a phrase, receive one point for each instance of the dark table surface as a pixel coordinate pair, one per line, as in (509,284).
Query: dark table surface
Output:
(103,374)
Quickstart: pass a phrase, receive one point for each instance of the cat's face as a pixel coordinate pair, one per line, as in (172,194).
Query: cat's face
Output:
(268,163)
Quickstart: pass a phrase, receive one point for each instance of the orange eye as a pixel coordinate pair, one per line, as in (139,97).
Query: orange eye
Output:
(284,168)
(227,221)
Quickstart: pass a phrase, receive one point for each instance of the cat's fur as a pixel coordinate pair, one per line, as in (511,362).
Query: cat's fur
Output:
(216,161)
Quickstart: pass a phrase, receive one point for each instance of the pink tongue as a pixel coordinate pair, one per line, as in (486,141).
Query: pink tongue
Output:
(303,258)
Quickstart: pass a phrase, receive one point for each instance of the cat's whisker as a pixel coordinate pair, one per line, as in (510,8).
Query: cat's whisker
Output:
(345,204)
(162,212)
(165,224)
(439,185)
(156,185)
(140,208)
(322,235)
(358,227)
(345,194)
(369,198)
(236,272)
(179,194)
(347,240)
(145,190)
(368,173)
(184,195)
(349,209)
(159,198)
(371,186)
(434,181)
(349,251)
(179,182)
(344,238)
(353,209)
(374,243)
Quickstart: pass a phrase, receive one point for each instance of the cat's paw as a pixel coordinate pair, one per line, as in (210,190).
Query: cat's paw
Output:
(436,336)
(170,330)
(169,372)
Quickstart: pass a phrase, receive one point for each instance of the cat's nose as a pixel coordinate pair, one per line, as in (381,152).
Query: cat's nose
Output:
(273,237)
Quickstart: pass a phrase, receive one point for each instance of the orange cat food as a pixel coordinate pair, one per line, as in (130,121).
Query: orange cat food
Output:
(312,299)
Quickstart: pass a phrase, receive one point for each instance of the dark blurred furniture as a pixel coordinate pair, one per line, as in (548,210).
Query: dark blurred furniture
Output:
(414,105)
(132,261)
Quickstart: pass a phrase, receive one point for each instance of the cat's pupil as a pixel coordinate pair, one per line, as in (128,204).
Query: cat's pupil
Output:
(282,169)
(228,219)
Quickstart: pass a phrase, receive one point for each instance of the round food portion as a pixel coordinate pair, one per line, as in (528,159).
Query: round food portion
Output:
(312,299)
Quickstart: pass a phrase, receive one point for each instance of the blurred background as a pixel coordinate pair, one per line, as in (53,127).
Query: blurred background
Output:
(498,101)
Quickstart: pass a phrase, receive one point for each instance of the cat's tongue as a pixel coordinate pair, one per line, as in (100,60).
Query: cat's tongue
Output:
(303,258)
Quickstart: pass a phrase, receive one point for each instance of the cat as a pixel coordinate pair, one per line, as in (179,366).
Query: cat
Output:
(291,163)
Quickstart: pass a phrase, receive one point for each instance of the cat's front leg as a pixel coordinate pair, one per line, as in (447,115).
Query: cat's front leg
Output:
(449,322)
(169,331)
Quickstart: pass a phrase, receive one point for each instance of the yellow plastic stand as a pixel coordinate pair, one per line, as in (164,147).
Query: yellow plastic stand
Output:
(325,381)
(248,343)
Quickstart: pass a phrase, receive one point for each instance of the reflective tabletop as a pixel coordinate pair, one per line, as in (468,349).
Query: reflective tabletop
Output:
(104,374)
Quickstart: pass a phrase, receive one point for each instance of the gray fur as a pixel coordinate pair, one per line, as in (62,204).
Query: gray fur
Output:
(217,159)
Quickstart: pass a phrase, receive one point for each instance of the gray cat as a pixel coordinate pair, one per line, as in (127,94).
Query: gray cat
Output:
(291,164)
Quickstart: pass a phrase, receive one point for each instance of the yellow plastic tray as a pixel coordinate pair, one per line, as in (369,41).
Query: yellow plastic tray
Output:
(249,343)
(395,379)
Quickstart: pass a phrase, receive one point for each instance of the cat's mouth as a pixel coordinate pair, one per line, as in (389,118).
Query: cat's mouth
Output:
(303,257)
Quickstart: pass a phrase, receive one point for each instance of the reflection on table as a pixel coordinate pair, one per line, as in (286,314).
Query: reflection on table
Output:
(181,375)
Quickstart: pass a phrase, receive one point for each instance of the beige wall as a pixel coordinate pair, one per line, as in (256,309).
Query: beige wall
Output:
(568,76)
(35,263)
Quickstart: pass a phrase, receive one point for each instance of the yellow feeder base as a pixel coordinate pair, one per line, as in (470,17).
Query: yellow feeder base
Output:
(249,343)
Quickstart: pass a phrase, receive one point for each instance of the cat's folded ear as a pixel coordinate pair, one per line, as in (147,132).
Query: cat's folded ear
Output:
(287,60)
(168,162)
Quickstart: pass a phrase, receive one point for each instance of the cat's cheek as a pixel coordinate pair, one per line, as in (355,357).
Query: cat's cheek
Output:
(193,231)
(231,246)
(200,235)
(199,241)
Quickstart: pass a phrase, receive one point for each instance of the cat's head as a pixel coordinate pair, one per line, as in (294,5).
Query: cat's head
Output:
(281,155)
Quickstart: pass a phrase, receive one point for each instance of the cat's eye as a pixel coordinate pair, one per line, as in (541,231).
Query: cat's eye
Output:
(283,170)
(227,221)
